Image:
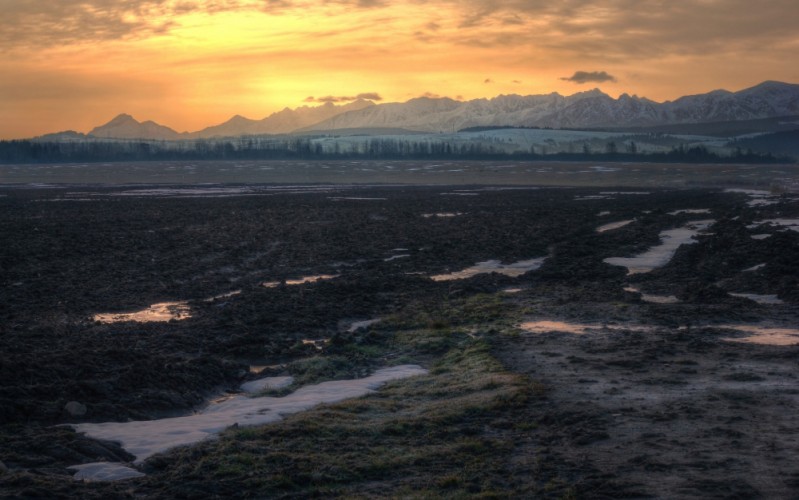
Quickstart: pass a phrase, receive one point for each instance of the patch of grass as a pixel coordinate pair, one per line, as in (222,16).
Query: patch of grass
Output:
(432,436)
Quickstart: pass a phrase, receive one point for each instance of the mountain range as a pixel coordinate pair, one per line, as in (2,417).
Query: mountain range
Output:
(591,109)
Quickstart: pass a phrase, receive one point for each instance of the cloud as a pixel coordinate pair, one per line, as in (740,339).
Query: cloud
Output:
(590,76)
(371,96)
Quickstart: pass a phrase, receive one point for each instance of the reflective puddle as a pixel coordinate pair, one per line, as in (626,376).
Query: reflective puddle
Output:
(146,438)
(545,326)
(493,266)
(654,299)
(163,311)
(613,225)
(760,299)
(301,281)
(660,255)
(764,335)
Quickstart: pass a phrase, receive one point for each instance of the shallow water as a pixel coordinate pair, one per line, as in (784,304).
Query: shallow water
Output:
(764,335)
(163,311)
(492,266)
(544,326)
(760,299)
(613,225)
(146,438)
(654,299)
(660,255)
(301,281)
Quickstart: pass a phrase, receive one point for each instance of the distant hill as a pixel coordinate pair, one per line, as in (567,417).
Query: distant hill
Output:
(769,106)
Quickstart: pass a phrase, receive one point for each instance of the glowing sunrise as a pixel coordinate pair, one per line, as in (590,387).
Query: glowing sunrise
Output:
(188,64)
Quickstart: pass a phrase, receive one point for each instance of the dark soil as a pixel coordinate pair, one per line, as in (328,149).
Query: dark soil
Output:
(675,413)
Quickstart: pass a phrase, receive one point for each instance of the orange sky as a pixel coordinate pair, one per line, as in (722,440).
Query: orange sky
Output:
(187,64)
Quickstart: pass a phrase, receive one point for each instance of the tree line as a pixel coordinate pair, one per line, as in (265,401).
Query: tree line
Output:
(306,148)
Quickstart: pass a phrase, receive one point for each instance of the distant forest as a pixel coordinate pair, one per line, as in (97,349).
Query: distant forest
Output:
(305,148)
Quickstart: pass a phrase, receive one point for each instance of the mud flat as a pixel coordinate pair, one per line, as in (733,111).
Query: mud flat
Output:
(554,377)
(664,413)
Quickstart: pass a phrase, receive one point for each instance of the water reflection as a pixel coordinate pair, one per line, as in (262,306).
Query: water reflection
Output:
(660,255)
(544,326)
(163,311)
(654,299)
(301,281)
(760,299)
(613,225)
(493,266)
(764,335)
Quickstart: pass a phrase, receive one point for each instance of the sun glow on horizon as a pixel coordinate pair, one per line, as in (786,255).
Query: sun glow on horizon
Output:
(196,63)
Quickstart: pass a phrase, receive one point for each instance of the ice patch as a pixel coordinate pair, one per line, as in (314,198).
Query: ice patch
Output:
(760,299)
(104,471)
(654,299)
(493,266)
(691,211)
(660,255)
(143,439)
(613,225)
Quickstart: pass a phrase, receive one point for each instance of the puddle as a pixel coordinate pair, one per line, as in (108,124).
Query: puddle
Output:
(163,311)
(660,255)
(343,198)
(301,281)
(758,197)
(691,211)
(512,290)
(357,325)
(442,214)
(613,225)
(318,344)
(395,257)
(653,299)
(104,471)
(625,192)
(493,266)
(792,224)
(545,326)
(764,335)
(761,236)
(146,438)
(603,213)
(755,268)
(223,296)
(760,299)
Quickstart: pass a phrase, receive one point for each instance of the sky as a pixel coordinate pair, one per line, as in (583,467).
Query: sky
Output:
(188,64)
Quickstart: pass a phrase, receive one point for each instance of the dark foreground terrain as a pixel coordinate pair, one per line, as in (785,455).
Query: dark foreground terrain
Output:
(645,399)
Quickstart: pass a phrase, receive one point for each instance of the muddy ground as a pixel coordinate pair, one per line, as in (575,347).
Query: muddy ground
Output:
(674,411)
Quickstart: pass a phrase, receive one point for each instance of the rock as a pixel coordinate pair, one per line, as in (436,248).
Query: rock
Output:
(75,409)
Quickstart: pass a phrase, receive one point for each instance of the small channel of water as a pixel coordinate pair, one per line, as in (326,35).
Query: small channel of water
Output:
(492,266)
(660,255)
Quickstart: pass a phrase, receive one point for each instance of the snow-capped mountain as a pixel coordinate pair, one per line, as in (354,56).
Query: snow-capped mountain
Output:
(282,122)
(126,127)
(591,109)
(586,109)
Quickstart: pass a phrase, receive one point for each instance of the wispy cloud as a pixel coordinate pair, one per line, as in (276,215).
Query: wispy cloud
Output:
(371,96)
(590,77)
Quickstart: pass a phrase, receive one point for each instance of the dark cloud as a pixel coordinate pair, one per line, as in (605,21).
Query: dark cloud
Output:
(371,96)
(590,77)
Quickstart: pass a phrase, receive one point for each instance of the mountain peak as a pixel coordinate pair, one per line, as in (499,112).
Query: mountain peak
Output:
(121,119)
